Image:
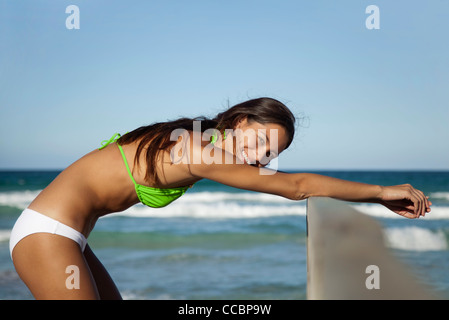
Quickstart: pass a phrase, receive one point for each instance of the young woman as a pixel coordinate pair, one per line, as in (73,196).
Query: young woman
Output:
(154,166)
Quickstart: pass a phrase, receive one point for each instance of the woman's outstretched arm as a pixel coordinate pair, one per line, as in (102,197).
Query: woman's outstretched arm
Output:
(401,199)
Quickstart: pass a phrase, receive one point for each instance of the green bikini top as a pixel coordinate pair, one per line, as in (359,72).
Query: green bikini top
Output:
(149,196)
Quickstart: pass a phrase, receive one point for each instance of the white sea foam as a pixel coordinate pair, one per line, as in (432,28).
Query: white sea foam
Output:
(222,205)
(18,199)
(212,197)
(415,239)
(229,205)
(379,211)
(439,195)
(220,210)
(194,204)
(4,235)
(21,199)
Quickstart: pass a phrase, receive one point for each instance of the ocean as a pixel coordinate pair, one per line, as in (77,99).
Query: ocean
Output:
(218,242)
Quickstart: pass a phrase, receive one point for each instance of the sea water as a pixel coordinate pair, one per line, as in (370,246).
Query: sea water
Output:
(218,242)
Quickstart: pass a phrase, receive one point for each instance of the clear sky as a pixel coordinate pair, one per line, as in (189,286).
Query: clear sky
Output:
(372,98)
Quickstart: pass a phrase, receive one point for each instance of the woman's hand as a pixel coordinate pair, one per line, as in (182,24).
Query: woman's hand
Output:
(405,201)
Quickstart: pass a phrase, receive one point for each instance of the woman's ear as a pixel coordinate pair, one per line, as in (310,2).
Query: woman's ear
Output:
(242,123)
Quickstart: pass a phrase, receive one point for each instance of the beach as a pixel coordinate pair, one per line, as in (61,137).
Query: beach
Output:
(218,242)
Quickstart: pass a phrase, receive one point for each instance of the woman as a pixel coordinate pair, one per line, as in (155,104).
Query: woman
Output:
(155,166)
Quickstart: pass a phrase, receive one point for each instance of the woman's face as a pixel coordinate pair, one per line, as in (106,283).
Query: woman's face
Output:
(257,144)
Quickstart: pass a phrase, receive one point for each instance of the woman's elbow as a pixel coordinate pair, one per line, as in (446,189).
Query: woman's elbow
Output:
(297,190)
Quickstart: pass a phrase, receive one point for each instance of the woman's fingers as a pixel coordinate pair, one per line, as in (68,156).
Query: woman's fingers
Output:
(421,201)
(405,210)
(406,201)
(410,195)
(425,202)
(418,202)
(414,203)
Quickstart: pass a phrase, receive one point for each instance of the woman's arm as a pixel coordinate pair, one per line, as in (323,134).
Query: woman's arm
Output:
(402,199)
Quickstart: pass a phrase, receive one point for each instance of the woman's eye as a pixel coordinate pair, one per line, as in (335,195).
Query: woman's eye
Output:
(270,155)
(261,141)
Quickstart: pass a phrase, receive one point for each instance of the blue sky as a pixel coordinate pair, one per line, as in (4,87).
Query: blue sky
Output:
(373,99)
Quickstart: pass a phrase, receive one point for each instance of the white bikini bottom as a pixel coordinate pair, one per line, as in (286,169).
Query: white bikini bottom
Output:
(31,222)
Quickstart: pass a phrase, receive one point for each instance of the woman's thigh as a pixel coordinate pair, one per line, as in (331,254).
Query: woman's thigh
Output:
(53,267)
(105,285)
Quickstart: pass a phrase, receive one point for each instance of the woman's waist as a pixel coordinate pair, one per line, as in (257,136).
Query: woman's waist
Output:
(70,208)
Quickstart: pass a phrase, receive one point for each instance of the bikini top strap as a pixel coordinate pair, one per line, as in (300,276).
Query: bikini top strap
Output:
(113,139)
(126,164)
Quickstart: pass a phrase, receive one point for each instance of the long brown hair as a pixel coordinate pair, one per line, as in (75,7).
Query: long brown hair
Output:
(156,137)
